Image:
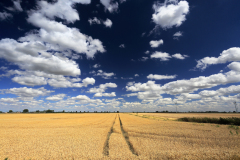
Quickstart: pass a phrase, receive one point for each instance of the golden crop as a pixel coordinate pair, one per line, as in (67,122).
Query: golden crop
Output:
(112,136)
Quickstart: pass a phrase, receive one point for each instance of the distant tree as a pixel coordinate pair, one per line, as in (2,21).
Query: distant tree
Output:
(63,111)
(10,111)
(84,111)
(25,111)
(166,111)
(76,111)
(156,111)
(37,111)
(235,104)
(118,112)
(49,111)
(80,111)
(1,112)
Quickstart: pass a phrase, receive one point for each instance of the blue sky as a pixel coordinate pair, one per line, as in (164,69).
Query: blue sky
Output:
(126,55)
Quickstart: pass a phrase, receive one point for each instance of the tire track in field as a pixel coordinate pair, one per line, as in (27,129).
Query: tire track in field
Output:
(125,135)
(106,144)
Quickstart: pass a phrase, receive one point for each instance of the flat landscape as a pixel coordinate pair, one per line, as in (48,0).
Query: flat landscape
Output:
(114,136)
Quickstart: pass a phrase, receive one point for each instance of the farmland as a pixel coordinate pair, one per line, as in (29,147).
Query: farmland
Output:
(114,136)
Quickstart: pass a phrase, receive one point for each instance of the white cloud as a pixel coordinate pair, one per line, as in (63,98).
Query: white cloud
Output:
(232,54)
(81,98)
(136,75)
(147,52)
(122,1)
(235,66)
(62,9)
(155,44)
(96,65)
(143,59)
(5,15)
(20,53)
(149,86)
(194,84)
(171,13)
(150,90)
(108,23)
(9,100)
(163,56)
(179,56)
(102,88)
(207,94)
(87,81)
(94,21)
(160,77)
(58,35)
(30,80)
(177,35)
(112,94)
(28,92)
(16,6)
(62,37)
(111,7)
(122,46)
(103,74)
(56,97)
(66,83)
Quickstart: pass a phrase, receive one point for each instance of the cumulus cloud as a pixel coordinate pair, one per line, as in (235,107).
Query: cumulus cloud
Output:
(179,56)
(34,78)
(96,65)
(28,92)
(143,59)
(232,54)
(94,21)
(177,35)
(81,98)
(147,52)
(122,46)
(103,74)
(194,84)
(102,87)
(30,80)
(20,53)
(56,97)
(207,94)
(108,23)
(171,13)
(155,44)
(9,100)
(63,37)
(162,55)
(67,83)
(122,1)
(136,75)
(160,77)
(149,86)
(62,9)
(112,94)
(5,15)
(16,6)
(235,66)
(109,5)
(151,90)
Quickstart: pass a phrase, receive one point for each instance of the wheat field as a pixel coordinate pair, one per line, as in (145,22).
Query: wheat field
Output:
(112,136)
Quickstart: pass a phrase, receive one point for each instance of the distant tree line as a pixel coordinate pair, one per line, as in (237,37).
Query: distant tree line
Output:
(52,111)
